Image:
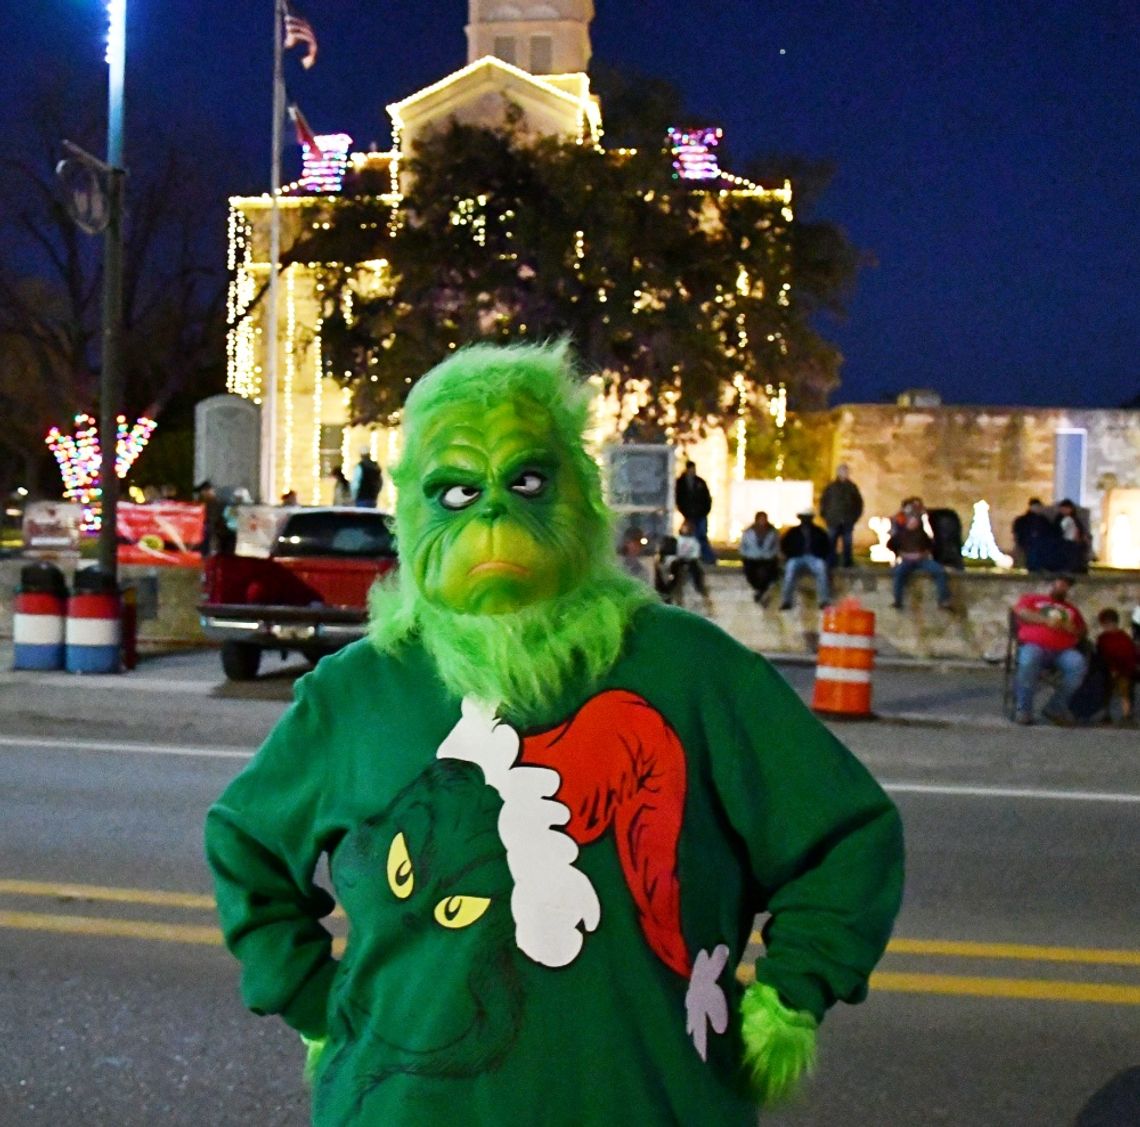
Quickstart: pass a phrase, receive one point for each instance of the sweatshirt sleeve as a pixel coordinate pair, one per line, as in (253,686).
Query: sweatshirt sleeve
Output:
(824,842)
(262,847)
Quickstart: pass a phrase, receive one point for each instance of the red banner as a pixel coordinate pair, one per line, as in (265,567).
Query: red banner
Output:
(168,533)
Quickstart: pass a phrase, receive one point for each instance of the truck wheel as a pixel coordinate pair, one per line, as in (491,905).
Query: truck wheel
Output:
(240,660)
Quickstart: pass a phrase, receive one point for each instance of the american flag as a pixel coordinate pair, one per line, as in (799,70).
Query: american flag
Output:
(299,31)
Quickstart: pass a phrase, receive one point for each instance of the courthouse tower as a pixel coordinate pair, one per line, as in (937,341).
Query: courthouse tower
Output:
(551,37)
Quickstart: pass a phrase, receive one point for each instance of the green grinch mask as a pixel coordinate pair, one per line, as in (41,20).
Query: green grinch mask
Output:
(493,527)
(508,571)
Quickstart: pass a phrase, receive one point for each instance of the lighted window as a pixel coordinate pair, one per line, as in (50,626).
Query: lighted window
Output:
(332,442)
(541,54)
(505,48)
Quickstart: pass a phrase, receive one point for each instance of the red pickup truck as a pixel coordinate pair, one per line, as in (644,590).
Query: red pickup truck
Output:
(309,594)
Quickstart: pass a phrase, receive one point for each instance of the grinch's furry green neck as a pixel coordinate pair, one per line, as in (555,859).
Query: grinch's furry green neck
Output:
(524,662)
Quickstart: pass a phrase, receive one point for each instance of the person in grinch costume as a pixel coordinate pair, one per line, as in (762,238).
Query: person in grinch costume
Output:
(552,809)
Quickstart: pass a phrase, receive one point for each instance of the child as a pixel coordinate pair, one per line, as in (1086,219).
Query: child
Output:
(1118,653)
(689,558)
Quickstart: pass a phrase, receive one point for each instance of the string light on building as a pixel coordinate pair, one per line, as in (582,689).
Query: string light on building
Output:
(693,156)
(738,382)
(778,409)
(80,455)
(980,543)
(323,168)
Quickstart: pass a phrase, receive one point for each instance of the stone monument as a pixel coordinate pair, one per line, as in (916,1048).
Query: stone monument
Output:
(227,443)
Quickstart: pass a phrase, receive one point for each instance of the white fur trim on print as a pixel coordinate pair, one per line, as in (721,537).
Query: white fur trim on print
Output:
(552,902)
(705,1003)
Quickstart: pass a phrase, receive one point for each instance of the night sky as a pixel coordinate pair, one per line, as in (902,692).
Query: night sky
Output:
(987,153)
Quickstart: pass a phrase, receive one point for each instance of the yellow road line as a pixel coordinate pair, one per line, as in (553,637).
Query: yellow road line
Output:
(102,926)
(1037,989)
(949,948)
(156,897)
(98,892)
(1029,952)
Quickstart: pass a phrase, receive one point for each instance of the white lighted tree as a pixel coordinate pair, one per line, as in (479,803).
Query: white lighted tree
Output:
(980,543)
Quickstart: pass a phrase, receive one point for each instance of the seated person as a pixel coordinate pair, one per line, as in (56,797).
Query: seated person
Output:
(1117,651)
(915,551)
(630,552)
(806,547)
(1049,632)
(688,562)
(759,552)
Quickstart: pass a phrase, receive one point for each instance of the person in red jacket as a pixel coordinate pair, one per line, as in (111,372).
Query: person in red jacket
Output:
(1117,651)
(1049,632)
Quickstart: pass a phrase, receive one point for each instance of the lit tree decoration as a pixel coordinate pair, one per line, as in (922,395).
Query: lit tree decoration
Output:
(880,553)
(980,543)
(80,459)
(693,156)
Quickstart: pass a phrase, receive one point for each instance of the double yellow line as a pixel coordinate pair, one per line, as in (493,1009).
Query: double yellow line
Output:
(1035,989)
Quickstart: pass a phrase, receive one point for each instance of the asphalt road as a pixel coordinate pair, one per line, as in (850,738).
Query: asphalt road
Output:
(1011,991)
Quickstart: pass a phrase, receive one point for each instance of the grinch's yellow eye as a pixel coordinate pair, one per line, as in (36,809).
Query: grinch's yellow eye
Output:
(401,879)
(460,911)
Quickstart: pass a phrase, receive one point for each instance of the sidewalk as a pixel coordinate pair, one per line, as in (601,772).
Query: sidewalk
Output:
(905,690)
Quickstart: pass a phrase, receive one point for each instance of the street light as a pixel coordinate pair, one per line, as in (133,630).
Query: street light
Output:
(111,380)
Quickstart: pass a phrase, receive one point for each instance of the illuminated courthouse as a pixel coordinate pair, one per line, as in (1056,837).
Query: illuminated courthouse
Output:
(532,56)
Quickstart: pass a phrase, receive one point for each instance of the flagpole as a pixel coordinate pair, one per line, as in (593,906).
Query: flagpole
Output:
(269,377)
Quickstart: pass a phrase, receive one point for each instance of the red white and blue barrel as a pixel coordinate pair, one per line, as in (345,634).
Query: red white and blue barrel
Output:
(38,630)
(92,633)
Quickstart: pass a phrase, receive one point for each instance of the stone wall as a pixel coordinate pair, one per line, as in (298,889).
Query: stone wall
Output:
(975,629)
(955,456)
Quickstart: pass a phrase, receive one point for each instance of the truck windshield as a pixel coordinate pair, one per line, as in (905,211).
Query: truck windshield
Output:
(360,535)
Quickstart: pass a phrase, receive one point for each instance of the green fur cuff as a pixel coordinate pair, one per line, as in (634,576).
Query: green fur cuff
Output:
(779,1043)
(314,1048)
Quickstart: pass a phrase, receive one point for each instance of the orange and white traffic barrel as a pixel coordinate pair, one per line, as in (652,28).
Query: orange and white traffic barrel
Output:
(845,660)
(93,630)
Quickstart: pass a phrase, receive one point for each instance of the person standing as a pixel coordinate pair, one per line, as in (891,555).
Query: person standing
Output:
(1049,632)
(1034,534)
(342,489)
(759,552)
(694,503)
(367,479)
(217,538)
(806,548)
(1074,536)
(841,506)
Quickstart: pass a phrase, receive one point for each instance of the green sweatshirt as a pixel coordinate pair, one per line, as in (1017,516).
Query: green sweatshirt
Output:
(544,925)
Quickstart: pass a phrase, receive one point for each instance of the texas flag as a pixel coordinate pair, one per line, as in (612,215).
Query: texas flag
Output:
(305,135)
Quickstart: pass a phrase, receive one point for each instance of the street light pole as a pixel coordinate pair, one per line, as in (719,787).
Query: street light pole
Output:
(111,380)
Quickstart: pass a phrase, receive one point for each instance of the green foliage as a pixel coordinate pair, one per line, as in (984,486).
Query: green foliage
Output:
(504,239)
(796,451)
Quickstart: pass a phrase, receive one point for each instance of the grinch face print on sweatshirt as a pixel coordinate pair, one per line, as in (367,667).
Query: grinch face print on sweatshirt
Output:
(474,865)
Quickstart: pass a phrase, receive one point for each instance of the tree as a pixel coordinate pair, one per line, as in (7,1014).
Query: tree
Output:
(51,285)
(670,291)
(823,265)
